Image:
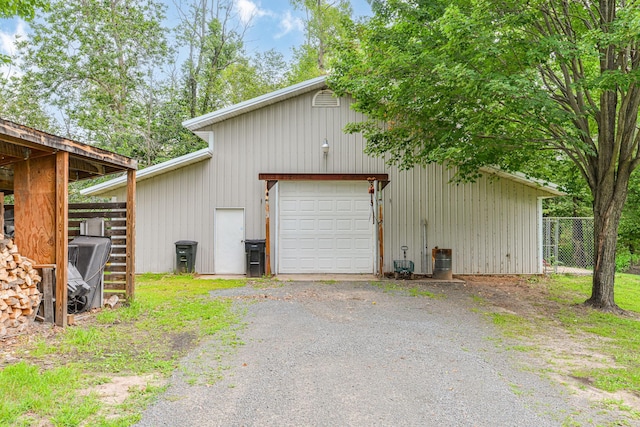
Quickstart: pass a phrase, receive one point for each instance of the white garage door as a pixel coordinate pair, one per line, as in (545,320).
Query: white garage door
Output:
(325,227)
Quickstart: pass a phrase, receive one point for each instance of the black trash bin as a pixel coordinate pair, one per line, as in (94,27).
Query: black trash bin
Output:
(186,256)
(255,257)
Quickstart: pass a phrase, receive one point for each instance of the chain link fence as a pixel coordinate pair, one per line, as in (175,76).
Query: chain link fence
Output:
(568,245)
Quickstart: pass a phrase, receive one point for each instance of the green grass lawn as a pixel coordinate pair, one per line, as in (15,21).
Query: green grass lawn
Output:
(169,316)
(619,335)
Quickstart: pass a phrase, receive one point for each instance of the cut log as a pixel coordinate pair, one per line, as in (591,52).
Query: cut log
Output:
(112,301)
(19,294)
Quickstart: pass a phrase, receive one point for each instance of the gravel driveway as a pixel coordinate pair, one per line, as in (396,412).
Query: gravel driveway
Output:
(357,354)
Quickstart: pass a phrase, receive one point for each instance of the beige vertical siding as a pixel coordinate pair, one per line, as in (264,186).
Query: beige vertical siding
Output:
(490,225)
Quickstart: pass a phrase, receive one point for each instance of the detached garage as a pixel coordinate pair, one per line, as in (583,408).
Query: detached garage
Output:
(280,167)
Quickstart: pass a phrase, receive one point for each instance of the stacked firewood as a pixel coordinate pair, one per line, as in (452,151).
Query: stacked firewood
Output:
(19,294)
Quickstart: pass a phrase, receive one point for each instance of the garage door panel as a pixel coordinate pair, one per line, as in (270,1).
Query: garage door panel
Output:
(324,227)
(307,206)
(362,206)
(325,206)
(344,225)
(362,263)
(288,205)
(342,244)
(325,244)
(289,225)
(307,225)
(362,244)
(362,224)
(288,244)
(344,206)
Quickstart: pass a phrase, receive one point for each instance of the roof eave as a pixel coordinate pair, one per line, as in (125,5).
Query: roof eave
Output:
(548,187)
(150,172)
(255,103)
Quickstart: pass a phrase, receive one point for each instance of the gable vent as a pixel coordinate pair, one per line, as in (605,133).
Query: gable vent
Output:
(325,98)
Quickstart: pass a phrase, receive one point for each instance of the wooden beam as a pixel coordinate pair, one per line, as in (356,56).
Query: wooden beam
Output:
(2,213)
(12,150)
(131,234)
(267,231)
(323,177)
(86,166)
(380,232)
(28,137)
(62,231)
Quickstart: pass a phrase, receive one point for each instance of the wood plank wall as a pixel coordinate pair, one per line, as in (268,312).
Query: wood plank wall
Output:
(115,224)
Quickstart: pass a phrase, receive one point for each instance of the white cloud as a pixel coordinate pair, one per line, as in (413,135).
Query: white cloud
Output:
(7,39)
(8,47)
(249,10)
(289,23)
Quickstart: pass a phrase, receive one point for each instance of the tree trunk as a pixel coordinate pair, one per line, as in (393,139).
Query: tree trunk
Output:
(606,238)
(609,199)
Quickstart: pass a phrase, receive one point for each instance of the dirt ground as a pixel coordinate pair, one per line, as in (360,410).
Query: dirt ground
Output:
(555,352)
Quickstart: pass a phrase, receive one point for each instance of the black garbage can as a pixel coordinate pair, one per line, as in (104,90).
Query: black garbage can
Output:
(186,256)
(255,257)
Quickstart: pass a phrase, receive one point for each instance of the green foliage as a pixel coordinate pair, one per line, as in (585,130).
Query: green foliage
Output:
(625,259)
(535,86)
(95,61)
(25,9)
(213,44)
(450,89)
(249,78)
(20,103)
(326,24)
(629,231)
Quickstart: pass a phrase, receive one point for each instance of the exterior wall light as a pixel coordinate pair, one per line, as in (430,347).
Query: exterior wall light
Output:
(325,147)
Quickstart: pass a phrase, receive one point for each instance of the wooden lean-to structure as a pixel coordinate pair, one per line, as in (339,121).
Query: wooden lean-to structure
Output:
(36,167)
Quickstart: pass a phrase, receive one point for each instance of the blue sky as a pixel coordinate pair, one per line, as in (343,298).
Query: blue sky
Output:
(274,24)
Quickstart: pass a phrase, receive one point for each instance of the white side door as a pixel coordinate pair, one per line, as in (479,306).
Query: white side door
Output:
(229,255)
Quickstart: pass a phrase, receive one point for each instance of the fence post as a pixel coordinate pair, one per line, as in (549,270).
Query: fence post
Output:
(556,240)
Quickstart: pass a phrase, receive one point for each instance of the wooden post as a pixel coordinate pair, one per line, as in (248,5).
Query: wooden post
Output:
(47,290)
(62,235)
(1,213)
(380,232)
(268,231)
(131,235)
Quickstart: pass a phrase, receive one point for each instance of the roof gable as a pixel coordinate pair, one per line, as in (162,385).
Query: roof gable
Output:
(255,103)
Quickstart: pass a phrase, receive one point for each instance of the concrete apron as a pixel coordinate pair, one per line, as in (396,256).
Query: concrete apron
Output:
(333,277)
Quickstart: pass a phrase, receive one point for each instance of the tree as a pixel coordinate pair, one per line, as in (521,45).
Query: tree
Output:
(469,83)
(325,22)
(19,102)
(97,62)
(249,78)
(213,39)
